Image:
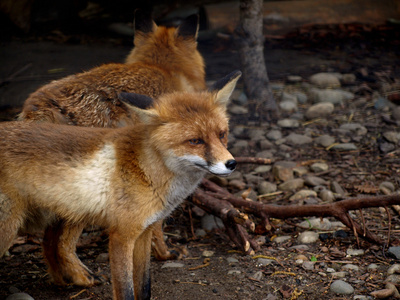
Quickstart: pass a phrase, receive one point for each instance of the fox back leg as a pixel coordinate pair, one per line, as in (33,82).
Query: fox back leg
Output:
(59,248)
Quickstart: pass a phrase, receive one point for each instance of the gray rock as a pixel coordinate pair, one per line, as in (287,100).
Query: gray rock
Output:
(102,258)
(354,128)
(341,274)
(235,175)
(308,265)
(300,247)
(288,97)
(314,180)
(265,144)
(261,262)
(341,287)
(362,297)
(393,279)
(200,232)
(301,97)
(308,237)
(283,170)
(266,187)
(291,184)
(325,80)
(332,96)
(288,106)
(394,269)
(232,260)
(392,136)
(326,195)
(237,184)
(282,239)
(300,171)
(395,251)
(386,147)
(237,110)
(258,275)
(324,140)
(288,123)
(264,154)
(302,194)
(172,264)
(262,169)
(274,135)
(241,144)
(298,139)
(320,110)
(388,186)
(355,252)
(211,222)
(234,272)
(344,147)
(256,134)
(350,267)
(316,223)
(319,167)
(20,296)
(294,79)
(337,188)
(372,267)
(237,131)
(207,253)
(253,179)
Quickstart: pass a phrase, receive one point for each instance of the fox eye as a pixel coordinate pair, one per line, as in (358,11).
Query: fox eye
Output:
(196,141)
(222,135)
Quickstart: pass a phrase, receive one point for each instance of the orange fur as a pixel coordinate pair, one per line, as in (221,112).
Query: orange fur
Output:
(163,60)
(125,179)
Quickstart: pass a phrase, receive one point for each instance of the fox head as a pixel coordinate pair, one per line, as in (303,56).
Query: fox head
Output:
(172,48)
(190,130)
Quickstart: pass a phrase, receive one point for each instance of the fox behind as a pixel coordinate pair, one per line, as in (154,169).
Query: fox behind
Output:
(124,179)
(163,60)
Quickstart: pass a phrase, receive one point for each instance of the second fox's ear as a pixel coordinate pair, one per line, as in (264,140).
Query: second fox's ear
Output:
(143,22)
(225,86)
(189,28)
(140,105)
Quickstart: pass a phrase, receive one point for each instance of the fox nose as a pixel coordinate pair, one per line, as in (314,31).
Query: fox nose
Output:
(231,164)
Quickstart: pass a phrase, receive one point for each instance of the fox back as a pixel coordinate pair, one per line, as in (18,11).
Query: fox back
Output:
(163,60)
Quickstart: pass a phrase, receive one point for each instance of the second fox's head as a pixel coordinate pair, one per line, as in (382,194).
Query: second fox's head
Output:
(190,130)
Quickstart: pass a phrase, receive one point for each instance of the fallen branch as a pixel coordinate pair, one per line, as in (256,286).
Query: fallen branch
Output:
(339,210)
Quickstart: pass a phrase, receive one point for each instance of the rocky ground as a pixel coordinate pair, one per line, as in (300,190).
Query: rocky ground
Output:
(337,136)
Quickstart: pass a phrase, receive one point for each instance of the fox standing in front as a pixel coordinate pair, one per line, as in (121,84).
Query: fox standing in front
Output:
(124,179)
(164,60)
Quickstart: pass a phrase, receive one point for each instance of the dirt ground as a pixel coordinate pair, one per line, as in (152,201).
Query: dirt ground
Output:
(28,62)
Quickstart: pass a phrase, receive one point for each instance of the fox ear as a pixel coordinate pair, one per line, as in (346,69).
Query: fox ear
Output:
(140,101)
(140,105)
(143,22)
(189,28)
(225,86)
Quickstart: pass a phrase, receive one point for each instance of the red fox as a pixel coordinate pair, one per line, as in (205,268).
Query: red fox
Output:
(125,179)
(163,60)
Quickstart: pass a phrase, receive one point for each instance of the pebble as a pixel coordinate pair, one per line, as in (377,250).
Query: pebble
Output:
(308,237)
(326,195)
(361,297)
(266,187)
(394,251)
(337,188)
(237,184)
(210,222)
(234,272)
(393,279)
(348,79)
(314,180)
(274,135)
(102,258)
(382,294)
(392,136)
(302,194)
(308,265)
(341,287)
(344,147)
(291,184)
(325,80)
(283,170)
(172,264)
(372,267)
(388,186)
(394,269)
(200,232)
(298,139)
(300,171)
(355,252)
(262,169)
(354,128)
(320,110)
(256,134)
(319,167)
(265,144)
(282,239)
(261,262)
(288,97)
(232,260)
(342,274)
(208,253)
(288,123)
(294,79)
(316,223)
(333,96)
(288,106)
(301,97)
(330,270)
(237,110)
(258,275)
(300,247)
(350,267)
(241,144)
(20,296)
(324,140)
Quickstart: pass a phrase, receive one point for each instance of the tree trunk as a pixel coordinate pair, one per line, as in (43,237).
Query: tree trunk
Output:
(250,41)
